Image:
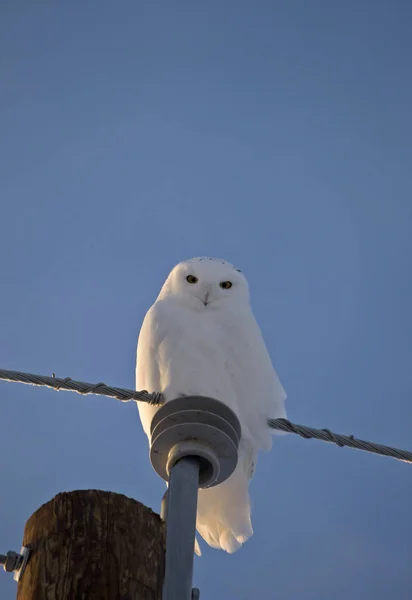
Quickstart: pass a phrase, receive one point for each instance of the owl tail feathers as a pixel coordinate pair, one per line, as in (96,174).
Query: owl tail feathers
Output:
(197,548)
(223,540)
(223,514)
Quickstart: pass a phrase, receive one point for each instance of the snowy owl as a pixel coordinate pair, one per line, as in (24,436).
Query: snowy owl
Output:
(200,338)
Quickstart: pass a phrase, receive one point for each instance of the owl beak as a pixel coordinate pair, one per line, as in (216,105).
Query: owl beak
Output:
(205,294)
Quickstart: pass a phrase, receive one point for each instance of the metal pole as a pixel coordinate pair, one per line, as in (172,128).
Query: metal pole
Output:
(180,529)
(194,444)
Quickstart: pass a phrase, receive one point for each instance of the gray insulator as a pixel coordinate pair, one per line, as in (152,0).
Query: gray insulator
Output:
(196,426)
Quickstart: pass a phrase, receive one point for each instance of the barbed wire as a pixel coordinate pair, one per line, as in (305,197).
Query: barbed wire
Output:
(125,395)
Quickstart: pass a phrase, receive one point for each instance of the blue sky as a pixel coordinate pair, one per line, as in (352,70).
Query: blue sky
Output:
(276,135)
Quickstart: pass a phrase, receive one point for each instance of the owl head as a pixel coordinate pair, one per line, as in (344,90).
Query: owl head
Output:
(206,284)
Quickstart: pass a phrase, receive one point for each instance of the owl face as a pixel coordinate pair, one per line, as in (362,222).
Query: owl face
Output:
(206,284)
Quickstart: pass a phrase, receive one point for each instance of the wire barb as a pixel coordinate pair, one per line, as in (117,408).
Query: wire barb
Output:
(156,398)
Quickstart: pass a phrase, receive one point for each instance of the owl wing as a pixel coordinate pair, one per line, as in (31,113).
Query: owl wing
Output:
(148,375)
(275,398)
(258,391)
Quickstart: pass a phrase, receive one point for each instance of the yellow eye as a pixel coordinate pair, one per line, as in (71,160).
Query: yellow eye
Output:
(191,279)
(226,285)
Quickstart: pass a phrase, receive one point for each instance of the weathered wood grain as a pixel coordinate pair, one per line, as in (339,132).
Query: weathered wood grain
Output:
(93,545)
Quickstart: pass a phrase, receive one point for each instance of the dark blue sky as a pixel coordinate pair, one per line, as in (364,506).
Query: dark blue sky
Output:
(276,135)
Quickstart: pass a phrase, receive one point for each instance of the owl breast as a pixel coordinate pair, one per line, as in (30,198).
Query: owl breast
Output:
(206,354)
(213,352)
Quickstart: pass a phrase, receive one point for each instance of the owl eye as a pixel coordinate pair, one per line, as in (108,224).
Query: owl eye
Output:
(191,279)
(226,285)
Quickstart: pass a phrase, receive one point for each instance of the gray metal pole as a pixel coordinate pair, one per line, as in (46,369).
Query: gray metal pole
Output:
(180,529)
(194,444)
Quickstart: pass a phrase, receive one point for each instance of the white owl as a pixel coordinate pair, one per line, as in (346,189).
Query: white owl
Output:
(200,338)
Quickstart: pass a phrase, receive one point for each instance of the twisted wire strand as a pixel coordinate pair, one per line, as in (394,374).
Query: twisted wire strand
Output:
(81,387)
(325,435)
(125,395)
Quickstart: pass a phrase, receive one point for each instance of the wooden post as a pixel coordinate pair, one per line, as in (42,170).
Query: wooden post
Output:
(93,545)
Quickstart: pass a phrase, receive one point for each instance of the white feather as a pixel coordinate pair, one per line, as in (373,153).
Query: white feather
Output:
(215,349)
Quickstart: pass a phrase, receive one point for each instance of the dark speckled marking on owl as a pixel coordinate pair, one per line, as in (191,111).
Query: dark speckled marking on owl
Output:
(223,262)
